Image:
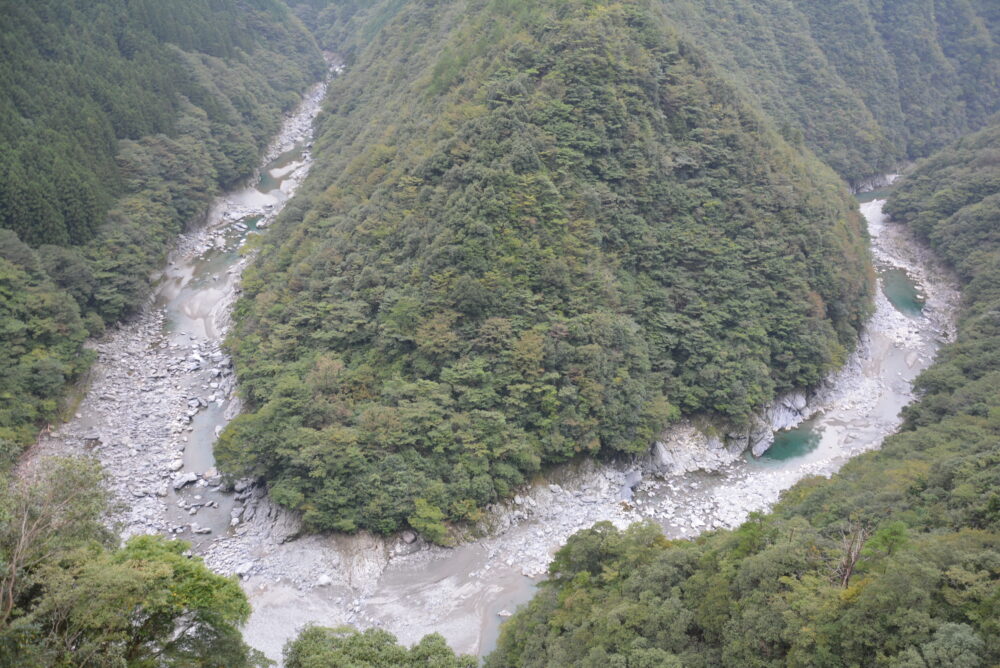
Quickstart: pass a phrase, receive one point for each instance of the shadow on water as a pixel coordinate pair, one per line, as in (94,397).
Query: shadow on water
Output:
(510,600)
(872,195)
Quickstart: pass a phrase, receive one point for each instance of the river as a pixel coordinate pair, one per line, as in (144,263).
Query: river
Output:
(162,389)
(465,592)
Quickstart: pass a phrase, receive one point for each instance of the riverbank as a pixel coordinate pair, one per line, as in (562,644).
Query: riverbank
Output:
(412,589)
(162,386)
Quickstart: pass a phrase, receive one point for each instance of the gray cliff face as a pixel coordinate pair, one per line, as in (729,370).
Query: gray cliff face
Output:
(686,447)
(875,182)
(786,412)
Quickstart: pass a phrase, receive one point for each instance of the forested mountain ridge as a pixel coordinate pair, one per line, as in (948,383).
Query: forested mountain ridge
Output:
(921,516)
(865,84)
(533,230)
(121,120)
(80,77)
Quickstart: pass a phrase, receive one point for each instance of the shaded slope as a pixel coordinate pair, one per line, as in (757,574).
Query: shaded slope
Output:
(864,83)
(79,77)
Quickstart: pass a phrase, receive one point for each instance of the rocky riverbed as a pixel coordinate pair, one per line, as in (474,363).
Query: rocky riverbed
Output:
(162,389)
(689,483)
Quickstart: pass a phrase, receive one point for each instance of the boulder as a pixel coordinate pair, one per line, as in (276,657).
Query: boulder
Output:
(632,480)
(683,448)
(798,400)
(185,479)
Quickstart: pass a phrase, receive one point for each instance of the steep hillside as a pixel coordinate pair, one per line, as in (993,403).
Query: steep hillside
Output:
(953,201)
(769,50)
(80,77)
(121,120)
(895,561)
(927,70)
(864,83)
(532,231)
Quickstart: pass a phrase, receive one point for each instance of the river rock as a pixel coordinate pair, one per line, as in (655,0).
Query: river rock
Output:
(632,480)
(760,437)
(684,448)
(785,412)
(185,479)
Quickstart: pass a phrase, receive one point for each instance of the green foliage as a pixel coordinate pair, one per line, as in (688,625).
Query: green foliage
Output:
(121,120)
(864,83)
(894,561)
(712,602)
(428,520)
(344,647)
(78,77)
(41,338)
(532,231)
(69,597)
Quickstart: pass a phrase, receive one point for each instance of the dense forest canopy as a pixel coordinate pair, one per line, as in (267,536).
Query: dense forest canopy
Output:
(865,84)
(533,230)
(121,120)
(78,77)
(895,561)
